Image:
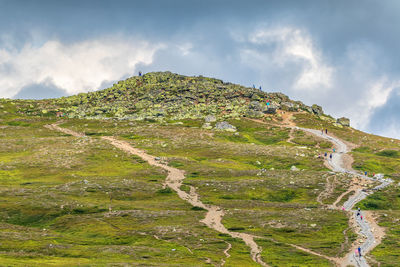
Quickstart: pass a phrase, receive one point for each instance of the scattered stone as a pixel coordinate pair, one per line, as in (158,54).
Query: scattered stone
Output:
(294,168)
(313,225)
(210,118)
(225,126)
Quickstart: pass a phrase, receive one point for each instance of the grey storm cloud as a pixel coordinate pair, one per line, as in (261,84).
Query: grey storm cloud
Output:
(339,54)
(40,91)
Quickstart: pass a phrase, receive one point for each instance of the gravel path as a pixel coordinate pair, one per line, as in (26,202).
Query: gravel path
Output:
(365,229)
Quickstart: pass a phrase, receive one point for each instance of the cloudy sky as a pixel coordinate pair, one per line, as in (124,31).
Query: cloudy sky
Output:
(340,54)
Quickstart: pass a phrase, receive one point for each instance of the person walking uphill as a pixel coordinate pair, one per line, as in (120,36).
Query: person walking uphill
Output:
(359,251)
(326,131)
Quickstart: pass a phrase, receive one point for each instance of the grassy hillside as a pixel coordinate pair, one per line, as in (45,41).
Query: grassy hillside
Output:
(69,200)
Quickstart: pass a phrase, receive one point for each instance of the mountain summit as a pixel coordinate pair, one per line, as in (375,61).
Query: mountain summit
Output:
(165,95)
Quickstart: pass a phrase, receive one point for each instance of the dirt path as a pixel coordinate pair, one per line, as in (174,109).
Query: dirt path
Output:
(174,180)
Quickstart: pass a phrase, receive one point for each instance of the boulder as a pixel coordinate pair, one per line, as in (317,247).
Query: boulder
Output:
(225,126)
(254,114)
(317,110)
(288,106)
(343,121)
(210,118)
(255,105)
(270,110)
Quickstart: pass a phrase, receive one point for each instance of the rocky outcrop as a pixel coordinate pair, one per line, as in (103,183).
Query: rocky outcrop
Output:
(169,96)
(317,110)
(343,121)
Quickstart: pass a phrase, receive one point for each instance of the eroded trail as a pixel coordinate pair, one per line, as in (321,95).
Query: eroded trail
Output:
(368,230)
(174,180)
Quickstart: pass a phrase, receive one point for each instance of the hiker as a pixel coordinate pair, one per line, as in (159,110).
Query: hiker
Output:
(358,213)
(365,173)
(260,88)
(322,131)
(359,251)
(326,131)
(333,150)
(326,154)
(140,73)
(342,208)
(358,209)
(361,217)
(330,156)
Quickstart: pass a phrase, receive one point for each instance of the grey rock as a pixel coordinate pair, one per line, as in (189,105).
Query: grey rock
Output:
(210,118)
(343,121)
(254,114)
(225,126)
(317,110)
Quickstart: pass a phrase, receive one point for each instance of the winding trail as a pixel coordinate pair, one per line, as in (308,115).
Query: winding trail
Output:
(367,227)
(175,177)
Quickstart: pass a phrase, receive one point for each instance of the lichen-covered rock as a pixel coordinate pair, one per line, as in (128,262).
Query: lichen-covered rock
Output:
(317,110)
(225,126)
(210,118)
(288,106)
(254,114)
(344,121)
(270,110)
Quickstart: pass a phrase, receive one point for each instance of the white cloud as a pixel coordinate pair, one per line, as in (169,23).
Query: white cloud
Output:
(284,46)
(375,96)
(75,67)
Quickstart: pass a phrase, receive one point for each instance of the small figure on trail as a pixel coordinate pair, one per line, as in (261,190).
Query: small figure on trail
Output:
(326,154)
(260,87)
(333,150)
(326,131)
(322,131)
(365,173)
(359,209)
(361,217)
(330,156)
(358,213)
(342,208)
(359,251)
(140,73)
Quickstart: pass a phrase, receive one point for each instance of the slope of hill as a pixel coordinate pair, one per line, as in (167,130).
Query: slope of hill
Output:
(77,199)
(164,95)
